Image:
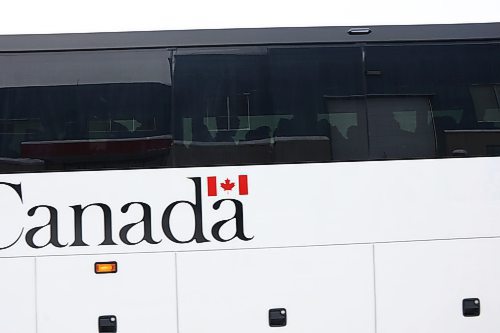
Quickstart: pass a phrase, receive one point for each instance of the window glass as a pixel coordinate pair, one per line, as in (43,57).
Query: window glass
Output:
(248,105)
(322,89)
(84,110)
(267,105)
(457,84)
(400,127)
(220,95)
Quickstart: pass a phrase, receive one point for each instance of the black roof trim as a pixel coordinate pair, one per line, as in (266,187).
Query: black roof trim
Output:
(263,36)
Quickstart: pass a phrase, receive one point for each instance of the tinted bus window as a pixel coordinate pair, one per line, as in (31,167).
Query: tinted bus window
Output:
(322,91)
(217,96)
(459,83)
(84,110)
(268,105)
(248,105)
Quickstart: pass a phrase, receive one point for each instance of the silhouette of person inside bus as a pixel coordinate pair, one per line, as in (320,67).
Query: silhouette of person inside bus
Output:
(261,132)
(226,130)
(202,134)
(284,128)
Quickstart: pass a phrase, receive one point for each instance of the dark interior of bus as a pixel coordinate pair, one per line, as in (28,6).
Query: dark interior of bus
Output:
(248,105)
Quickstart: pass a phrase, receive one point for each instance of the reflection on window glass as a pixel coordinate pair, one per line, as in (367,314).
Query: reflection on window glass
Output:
(406,120)
(486,100)
(400,127)
(348,127)
(248,105)
(341,120)
(462,83)
(84,110)
(258,105)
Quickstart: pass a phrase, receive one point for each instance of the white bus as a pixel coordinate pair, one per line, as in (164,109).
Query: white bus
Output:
(336,179)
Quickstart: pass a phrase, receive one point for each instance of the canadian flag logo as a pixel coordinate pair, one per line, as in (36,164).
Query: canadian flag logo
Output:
(227,185)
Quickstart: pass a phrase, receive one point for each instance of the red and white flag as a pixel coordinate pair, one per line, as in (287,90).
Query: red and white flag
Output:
(227,185)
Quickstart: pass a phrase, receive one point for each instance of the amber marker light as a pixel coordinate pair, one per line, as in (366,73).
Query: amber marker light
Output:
(105,267)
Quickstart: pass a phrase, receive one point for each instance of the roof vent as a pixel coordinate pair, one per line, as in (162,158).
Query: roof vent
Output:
(359,31)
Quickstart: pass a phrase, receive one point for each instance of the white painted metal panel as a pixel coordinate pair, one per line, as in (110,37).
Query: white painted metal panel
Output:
(141,294)
(324,289)
(287,205)
(17,294)
(420,286)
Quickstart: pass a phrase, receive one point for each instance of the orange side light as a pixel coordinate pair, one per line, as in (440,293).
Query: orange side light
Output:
(106,267)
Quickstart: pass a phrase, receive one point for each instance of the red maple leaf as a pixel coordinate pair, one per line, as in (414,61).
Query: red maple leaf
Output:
(227,185)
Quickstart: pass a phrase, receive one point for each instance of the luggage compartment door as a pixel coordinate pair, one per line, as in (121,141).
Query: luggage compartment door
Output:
(319,289)
(141,294)
(17,294)
(421,286)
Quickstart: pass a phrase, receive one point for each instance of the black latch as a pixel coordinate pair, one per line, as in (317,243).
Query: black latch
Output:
(277,317)
(471,307)
(107,324)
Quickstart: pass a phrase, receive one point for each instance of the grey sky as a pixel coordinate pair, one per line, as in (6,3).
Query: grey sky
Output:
(52,16)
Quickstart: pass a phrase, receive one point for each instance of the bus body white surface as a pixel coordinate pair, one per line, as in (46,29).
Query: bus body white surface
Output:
(393,231)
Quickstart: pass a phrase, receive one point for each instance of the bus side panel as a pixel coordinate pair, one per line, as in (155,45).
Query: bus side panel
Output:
(421,286)
(322,289)
(141,294)
(17,293)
